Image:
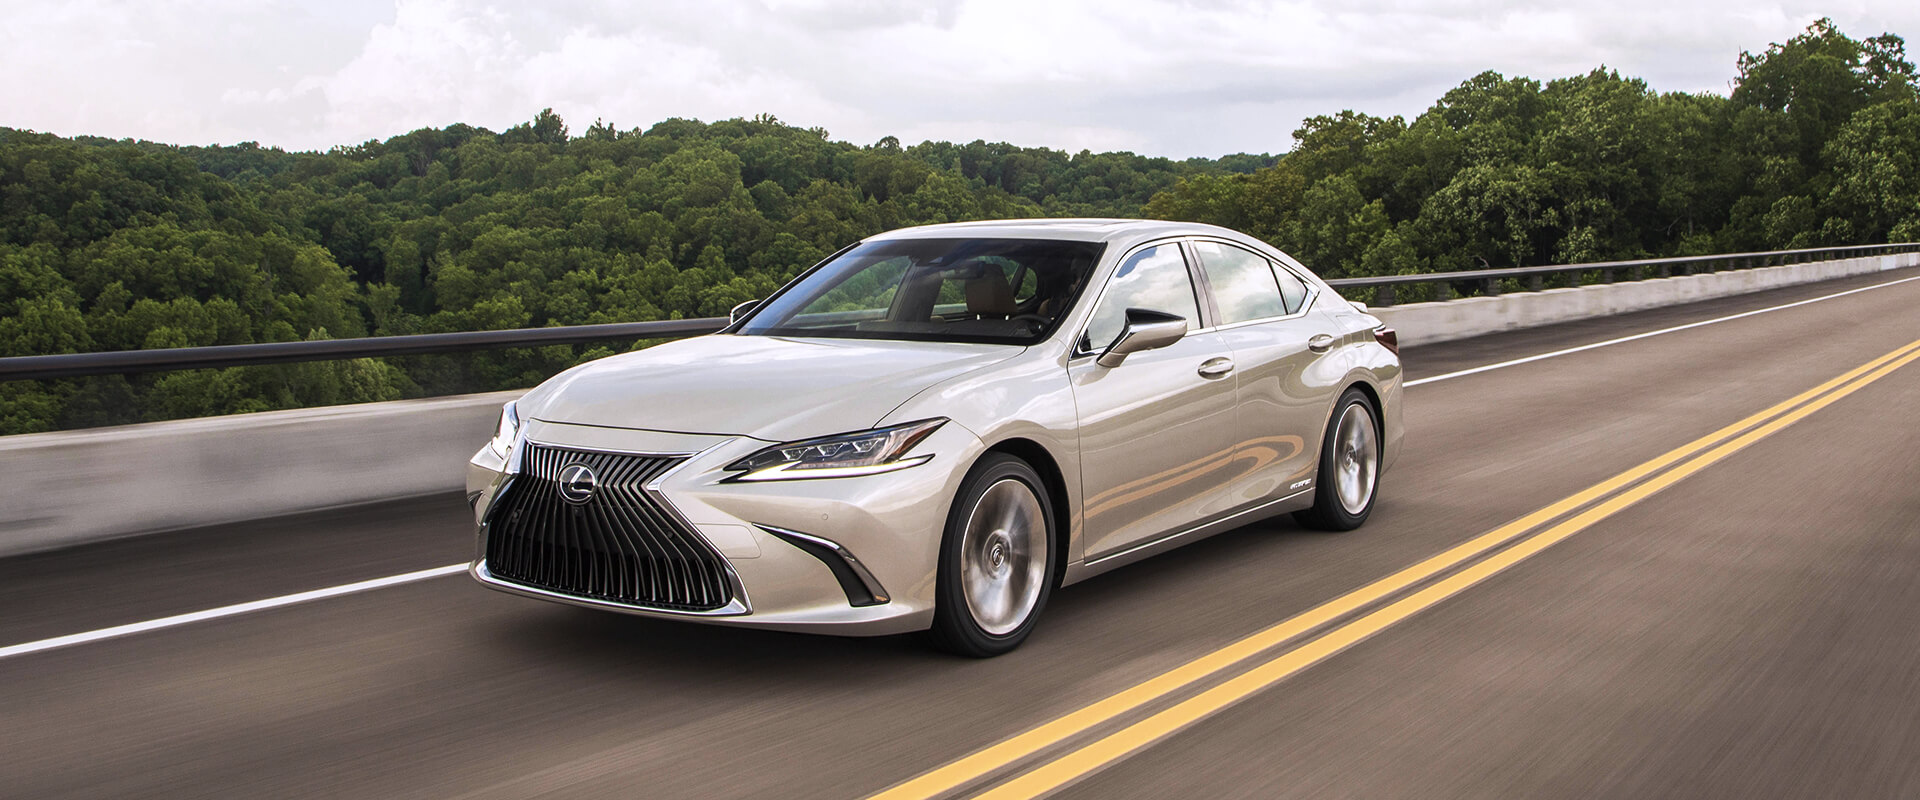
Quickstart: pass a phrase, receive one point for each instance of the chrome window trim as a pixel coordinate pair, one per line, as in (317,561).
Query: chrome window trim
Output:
(1201,300)
(1306,303)
(1313,287)
(1196,272)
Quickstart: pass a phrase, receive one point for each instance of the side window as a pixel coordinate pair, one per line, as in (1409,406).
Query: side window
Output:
(1244,287)
(1154,279)
(1292,289)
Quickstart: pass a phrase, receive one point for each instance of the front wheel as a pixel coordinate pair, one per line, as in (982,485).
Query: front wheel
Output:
(1349,467)
(996,559)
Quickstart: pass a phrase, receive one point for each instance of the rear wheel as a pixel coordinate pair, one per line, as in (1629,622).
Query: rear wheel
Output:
(996,559)
(1349,467)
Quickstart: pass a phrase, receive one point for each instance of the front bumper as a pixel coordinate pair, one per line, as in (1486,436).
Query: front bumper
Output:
(853,556)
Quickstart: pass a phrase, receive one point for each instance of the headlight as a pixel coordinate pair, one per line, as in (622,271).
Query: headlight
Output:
(508,428)
(845,455)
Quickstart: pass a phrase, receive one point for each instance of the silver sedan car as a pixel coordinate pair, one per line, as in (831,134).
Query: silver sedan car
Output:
(937,426)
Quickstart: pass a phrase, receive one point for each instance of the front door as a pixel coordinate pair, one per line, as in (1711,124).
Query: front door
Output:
(1156,432)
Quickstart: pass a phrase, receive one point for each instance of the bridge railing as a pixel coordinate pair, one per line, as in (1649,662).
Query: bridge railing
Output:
(1448,285)
(1384,291)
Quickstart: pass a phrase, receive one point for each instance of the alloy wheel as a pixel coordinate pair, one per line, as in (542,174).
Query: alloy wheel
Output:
(1003,556)
(1356,458)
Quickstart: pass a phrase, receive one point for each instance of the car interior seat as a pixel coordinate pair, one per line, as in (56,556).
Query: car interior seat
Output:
(989,295)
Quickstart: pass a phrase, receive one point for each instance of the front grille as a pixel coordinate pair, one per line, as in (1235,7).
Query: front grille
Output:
(620,545)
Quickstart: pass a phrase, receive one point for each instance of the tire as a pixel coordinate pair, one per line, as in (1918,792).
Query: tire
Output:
(1349,476)
(997,559)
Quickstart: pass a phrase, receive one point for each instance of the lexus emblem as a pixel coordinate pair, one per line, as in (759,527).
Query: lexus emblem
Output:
(577,482)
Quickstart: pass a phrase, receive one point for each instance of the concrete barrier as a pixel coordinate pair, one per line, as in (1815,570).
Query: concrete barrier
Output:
(1427,323)
(82,486)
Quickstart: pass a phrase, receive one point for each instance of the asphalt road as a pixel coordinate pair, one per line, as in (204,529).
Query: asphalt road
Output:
(1752,630)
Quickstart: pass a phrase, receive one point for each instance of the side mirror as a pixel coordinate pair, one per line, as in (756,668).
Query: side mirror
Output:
(741,311)
(1146,330)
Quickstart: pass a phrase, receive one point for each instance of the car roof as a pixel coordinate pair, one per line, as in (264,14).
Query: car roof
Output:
(1122,231)
(1120,235)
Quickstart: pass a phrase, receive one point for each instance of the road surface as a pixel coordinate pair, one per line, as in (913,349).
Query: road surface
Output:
(1749,628)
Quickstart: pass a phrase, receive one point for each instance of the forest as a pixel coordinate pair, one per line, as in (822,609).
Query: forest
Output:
(119,244)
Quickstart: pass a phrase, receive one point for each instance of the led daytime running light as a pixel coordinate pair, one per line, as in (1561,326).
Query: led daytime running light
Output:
(843,455)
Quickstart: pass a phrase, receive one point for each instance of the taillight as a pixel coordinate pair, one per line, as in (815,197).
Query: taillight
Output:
(1387,338)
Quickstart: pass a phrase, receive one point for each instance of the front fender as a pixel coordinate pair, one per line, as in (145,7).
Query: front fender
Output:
(1028,397)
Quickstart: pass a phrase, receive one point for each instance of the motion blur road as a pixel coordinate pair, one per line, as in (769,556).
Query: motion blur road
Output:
(1752,629)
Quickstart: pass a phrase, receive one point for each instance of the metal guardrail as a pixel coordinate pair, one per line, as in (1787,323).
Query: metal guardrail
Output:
(1488,281)
(75,365)
(1485,281)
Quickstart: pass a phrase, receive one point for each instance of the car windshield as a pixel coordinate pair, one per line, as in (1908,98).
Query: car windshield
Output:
(996,291)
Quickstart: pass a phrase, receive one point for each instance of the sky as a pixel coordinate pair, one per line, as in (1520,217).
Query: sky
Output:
(1159,77)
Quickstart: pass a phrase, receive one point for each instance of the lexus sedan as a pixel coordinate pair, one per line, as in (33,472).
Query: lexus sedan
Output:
(936,427)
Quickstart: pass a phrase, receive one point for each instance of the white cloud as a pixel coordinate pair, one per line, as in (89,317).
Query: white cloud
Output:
(1201,77)
(435,63)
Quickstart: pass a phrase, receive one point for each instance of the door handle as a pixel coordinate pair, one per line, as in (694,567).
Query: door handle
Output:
(1320,343)
(1216,368)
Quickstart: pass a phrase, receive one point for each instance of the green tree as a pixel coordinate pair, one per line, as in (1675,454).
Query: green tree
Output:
(119,244)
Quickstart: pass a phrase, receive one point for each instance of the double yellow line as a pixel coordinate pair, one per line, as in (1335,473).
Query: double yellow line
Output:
(1599,502)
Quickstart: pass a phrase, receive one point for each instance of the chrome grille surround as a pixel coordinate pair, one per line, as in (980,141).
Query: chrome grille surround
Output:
(623,545)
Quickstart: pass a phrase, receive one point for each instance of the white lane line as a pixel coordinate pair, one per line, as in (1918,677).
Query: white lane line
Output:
(450,569)
(1624,339)
(226,611)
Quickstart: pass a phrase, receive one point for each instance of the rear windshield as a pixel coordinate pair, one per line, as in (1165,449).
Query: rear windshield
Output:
(997,291)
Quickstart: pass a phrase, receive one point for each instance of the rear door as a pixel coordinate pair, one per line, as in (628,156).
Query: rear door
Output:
(1263,318)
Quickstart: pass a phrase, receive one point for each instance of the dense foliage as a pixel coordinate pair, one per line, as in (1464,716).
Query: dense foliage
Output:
(110,245)
(1818,144)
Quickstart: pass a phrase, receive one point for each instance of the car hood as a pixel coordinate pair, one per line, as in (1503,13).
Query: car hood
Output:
(770,388)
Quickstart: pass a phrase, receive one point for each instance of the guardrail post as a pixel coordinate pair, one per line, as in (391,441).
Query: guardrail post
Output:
(1606,276)
(1443,291)
(1384,296)
(1490,287)
(1536,282)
